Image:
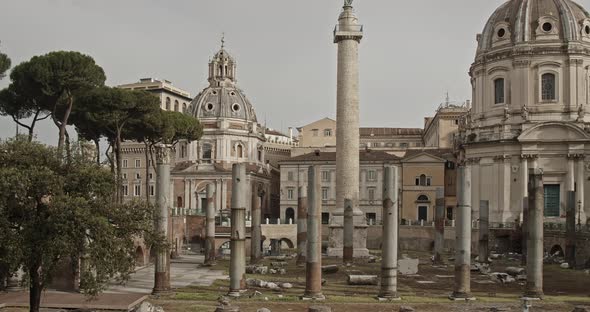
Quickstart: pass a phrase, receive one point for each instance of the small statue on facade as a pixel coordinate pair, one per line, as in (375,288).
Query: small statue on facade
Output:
(506,112)
(525,113)
(581,113)
(348,3)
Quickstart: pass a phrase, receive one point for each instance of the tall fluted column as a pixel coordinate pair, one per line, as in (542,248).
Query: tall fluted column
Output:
(163,203)
(210,249)
(390,235)
(256,236)
(313,268)
(347,35)
(301,225)
(534,268)
(525,206)
(237,264)
(570,213)
(463,237)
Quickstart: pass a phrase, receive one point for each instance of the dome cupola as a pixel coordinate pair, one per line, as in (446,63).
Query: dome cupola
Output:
(535,21)
(222,98)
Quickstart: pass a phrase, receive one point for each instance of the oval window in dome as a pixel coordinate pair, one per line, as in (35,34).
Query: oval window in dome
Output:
(547,27)
(214,92)
(232,93)
(235,107)
(587,30)
(209,107)
(501,33)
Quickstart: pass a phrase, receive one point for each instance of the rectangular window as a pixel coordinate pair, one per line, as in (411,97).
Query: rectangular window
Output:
(152,190)
(375,144)
(138,163)
(552,200)
(328,132)
(499,91)
(403,145)
(126,190)
(137,190)
(325,176)
(428,181)
(151,176)
(290,176)
(417,181)
(325,192)
(371,218)
(371,175)
(325,218)
(548,87)
(290,193)
(315,132)
(125,163)
(371,193)
(124,176)
(138,176)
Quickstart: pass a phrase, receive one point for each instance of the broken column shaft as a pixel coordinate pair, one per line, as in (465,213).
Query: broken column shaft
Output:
(162,266)
(301,225)
(439,225)
(256,233)
(390,235)
(313,269)
(534,256)
(484,230)
(210,226)
(237,264)
(462,289)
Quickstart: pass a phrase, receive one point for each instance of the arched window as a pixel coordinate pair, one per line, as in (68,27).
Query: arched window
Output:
(167,103)
(176,107)
(423,198)
(240,151)
(207,151)
(548,87)
(179,202)
(184,107)
(423,180)
(289,215)
(499,91)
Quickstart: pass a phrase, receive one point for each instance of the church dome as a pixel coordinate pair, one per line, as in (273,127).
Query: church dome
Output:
(535,21)
(222,98)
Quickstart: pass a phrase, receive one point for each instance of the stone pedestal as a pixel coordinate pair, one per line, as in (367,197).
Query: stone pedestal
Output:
(336,240)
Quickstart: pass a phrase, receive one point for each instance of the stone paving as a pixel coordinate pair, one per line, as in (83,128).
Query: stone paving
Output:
(185,271)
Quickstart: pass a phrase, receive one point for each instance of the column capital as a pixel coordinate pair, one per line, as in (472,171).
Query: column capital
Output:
(163,153)
(502,158)
(576,156)
(471,161)
(529,156)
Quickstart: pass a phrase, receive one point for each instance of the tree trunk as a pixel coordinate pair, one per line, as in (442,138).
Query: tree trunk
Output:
(119,169)
(147,172)
(35,289)
(97,145)
(68,147)
(64,123)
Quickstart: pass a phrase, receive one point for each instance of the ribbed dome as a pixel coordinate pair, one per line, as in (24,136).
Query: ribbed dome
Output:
(547,21)
(223,102)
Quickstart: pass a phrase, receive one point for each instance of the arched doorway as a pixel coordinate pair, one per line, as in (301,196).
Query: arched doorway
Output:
(289,215)
(422,205)
(139,256)
(285,242)
(556,251)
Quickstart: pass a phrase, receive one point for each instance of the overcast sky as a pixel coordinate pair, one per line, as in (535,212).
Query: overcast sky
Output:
(413,51)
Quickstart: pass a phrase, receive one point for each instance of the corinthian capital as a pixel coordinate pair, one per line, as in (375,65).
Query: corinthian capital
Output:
(163,153)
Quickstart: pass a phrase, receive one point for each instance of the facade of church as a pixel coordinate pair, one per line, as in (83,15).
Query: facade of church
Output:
(531,88)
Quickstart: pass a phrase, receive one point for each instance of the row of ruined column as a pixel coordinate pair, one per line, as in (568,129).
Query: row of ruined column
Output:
(309,232)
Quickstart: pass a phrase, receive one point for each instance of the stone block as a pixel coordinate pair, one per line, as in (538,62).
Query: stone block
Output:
(319,309)
(408,266)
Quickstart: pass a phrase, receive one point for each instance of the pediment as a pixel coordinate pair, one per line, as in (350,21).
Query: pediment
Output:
(423,158)
(554,132)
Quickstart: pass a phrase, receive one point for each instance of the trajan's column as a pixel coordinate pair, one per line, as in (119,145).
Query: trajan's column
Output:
(348,229)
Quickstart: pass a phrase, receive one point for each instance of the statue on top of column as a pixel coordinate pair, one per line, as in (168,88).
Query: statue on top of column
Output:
(348,3)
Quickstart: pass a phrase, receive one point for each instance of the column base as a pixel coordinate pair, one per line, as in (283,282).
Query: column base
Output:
(388,297)
(162,291)
(314,297)
(533,295)
(456,296)
(235,293)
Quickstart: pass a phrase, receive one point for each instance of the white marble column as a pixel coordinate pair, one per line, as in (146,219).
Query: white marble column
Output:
(524,170)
